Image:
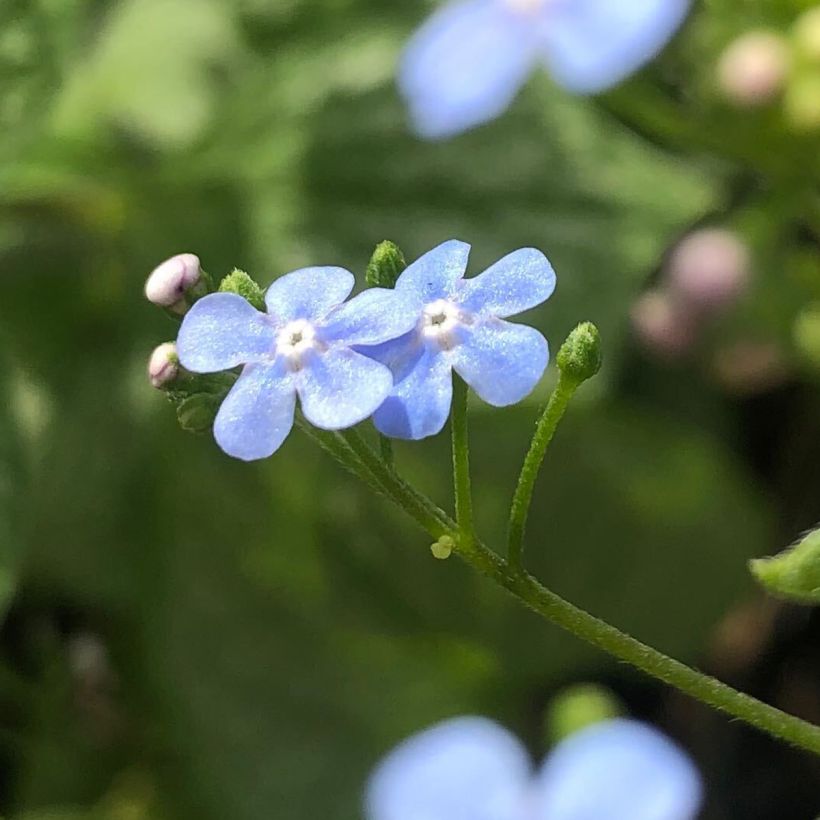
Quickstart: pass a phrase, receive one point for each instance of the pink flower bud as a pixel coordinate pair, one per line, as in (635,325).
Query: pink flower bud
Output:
(169,282)
(709,269)
(753,69)
(664,324)
(163,366)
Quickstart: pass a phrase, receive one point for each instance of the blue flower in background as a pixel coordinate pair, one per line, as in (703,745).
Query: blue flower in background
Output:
(458,325)
(473,769)
(301,346)
(467,63)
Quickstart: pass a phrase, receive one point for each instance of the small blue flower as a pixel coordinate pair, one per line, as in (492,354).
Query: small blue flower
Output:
(467,63)
(472,769)
(458,325)
(301,346)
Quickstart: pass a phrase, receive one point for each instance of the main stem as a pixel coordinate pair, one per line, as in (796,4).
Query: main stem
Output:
(461,464)
(544,431)
(354,453)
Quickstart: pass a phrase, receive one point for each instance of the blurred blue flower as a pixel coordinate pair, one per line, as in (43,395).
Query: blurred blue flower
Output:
(472,769)
(301,346)
(459,325)
(468,61)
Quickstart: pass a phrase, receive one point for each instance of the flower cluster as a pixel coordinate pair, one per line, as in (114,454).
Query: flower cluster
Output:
(386,353)
(468,61)
(472,769)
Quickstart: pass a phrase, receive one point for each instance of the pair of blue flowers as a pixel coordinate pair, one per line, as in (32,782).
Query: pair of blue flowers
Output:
(472,769)
(467,62)
(385,353)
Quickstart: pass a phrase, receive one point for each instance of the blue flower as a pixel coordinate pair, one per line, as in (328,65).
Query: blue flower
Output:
(467,63)
(458,325)
(302,346)
(472,769)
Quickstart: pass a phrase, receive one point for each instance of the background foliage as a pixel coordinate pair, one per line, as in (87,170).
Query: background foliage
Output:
(188,636)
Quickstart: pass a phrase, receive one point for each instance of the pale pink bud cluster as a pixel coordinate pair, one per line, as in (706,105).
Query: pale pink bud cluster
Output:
(705,275)
(171,282)
(163,366)
(753,70)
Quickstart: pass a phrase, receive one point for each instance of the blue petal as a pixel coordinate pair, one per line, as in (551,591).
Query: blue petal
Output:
(257,414)
(615,770)
(308,293)
(465,65)
(221,331)
(420,402)
(374,316)
(591,45)
(501,361)
(341,387)
(518,282)
(464,769)
(434,275)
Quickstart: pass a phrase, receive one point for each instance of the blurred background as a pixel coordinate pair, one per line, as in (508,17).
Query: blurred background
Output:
(187,636)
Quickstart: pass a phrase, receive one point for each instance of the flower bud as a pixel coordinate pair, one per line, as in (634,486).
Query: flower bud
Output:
(163,366)
(241,283)
(802,102)
(664,324)
(385,266)
(807,35)
(443,548)
(709,270)
(753,69)
(793,574)
(580,357)
(176,283)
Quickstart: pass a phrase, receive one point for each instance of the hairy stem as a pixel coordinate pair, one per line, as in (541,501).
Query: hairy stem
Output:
(354,453)
(544,431)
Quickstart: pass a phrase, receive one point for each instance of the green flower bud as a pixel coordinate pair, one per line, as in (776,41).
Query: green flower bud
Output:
(578,707)
(240,283)
(580,356)
(443,548)
(385,266)
(793,574)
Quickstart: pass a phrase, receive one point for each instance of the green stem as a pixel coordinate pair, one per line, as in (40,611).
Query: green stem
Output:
(357,456)
(544,431)
(461,463)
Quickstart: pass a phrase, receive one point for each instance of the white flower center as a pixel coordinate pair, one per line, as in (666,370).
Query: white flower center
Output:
(440,323)
(295,340)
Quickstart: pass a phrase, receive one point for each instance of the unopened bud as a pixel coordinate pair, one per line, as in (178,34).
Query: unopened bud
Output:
(163,366)
(385,266)
(709,269)
(580,357)
(664,324)
(443,548)
(807,35)
(241,283)
(176,283)
(802,102)
(793,574)
(754,68)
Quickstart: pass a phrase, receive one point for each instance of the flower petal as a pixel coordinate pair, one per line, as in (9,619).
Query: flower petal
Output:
(374,316)
(308,293)
(420,402)
(465,65)
(341,387)
(591,45)
(434,275)
(518,282)
(221,331)
(617,769)
(501,361)
(257,414)
(464,769)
